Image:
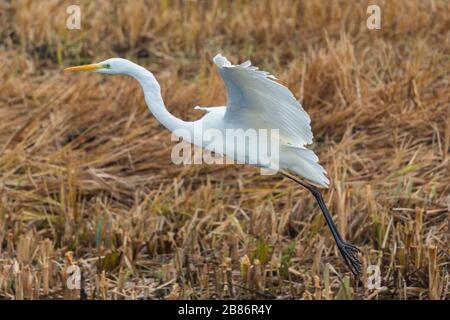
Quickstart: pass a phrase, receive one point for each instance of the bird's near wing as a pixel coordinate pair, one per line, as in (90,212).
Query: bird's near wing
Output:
(255,96)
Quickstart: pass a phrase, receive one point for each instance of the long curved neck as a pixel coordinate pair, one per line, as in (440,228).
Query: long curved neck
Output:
(155,103)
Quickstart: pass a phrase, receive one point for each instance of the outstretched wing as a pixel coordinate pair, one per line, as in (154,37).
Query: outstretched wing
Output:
(255,97)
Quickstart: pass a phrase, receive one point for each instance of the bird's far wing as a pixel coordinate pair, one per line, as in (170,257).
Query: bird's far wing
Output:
(254,95)
(210,109)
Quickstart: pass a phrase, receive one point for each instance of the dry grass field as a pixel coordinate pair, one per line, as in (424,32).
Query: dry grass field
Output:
(86,177)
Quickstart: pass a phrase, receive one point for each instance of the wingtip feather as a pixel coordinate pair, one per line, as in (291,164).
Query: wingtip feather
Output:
(221,61)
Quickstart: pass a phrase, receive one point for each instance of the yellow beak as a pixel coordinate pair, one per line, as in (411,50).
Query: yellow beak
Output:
(86,67)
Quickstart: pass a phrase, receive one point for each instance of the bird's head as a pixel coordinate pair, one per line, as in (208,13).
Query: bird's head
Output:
(110,66)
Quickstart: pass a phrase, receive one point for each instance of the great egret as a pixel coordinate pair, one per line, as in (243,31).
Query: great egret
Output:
(255,101)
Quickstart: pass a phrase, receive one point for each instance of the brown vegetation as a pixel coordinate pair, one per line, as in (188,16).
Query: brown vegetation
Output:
(86,177)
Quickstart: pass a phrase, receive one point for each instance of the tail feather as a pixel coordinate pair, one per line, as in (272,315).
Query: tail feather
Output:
(304,163)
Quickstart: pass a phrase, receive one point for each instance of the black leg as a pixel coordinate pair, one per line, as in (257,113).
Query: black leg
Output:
(348,251)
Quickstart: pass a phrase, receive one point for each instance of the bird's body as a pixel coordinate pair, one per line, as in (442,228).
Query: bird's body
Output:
(256,103)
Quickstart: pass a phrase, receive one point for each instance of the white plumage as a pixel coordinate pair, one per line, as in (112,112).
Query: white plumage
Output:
(256,101)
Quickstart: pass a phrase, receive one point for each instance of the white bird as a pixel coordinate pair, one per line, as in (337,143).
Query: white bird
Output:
(255,101)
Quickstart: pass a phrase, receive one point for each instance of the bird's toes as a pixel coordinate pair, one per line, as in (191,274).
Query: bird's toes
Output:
(350,254)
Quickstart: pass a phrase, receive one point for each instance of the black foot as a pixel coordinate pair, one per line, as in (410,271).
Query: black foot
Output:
(350,254)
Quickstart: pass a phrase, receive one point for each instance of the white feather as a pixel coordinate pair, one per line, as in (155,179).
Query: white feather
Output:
(253,95)
(255,100)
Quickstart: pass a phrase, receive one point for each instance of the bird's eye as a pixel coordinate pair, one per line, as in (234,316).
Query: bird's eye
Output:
(107,66)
